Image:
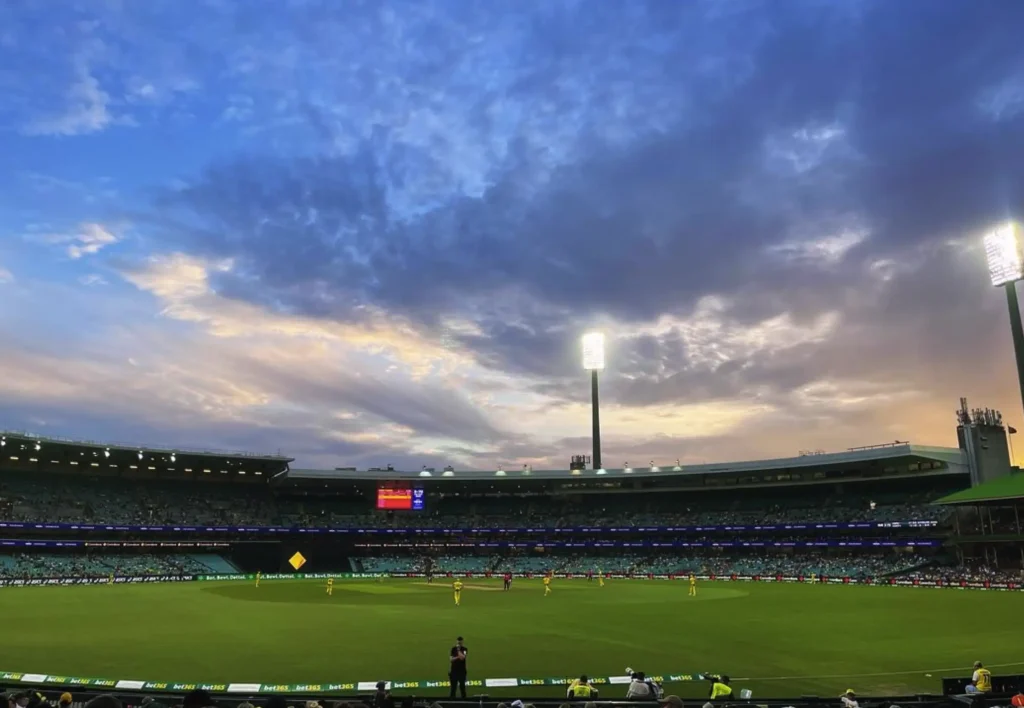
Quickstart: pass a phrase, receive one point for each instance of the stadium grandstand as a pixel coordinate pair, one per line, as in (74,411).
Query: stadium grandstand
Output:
(864,512)
(896,514)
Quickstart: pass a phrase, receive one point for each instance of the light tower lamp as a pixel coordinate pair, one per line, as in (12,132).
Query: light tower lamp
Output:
(1005,267)
(593,361)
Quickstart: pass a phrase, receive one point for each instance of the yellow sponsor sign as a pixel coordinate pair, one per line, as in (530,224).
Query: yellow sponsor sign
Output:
(297,561)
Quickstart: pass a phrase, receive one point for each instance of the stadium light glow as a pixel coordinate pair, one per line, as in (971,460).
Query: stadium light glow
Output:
(593,361)
(173,458)
(593,351)
(38,446)
(1003,251)
(1004,255)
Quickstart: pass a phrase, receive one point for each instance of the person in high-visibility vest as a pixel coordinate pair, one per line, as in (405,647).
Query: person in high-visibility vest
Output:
(981,679)
(720,688)
(581,688)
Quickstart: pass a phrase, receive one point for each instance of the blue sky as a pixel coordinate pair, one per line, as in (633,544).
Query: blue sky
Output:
(372,232)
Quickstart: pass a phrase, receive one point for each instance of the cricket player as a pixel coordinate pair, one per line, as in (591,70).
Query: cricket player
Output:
(693,585)
(258,576)
(457,588)
(547,584)
(600,578)
(330,586)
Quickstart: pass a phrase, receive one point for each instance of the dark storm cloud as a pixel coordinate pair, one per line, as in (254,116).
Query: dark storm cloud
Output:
(863,114)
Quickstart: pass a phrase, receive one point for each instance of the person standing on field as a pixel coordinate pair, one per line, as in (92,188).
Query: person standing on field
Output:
(457,672)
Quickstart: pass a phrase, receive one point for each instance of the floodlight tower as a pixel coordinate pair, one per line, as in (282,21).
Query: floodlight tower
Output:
(1003,250)
(593,361)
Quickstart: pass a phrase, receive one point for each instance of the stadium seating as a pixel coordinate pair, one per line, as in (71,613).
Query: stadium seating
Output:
(40,498)
(846,565)
(53,565)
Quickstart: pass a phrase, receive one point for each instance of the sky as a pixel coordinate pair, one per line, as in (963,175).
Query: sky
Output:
(372,232)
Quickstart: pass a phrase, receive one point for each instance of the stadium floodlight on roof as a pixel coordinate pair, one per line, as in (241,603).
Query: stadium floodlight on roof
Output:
(593,351)
(1004,255)
(593,361)
(1006,268)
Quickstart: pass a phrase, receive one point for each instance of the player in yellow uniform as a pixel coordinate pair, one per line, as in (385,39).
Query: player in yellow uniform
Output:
(258,576)
(693,585)
(457,588)
(600,578)
(547,584)
(330,586)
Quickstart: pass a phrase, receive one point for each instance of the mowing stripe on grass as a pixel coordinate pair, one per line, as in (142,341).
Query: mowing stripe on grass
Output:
(879,674)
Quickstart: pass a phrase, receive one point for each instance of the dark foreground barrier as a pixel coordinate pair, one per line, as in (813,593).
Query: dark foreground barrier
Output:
(142,700)
(1011,684)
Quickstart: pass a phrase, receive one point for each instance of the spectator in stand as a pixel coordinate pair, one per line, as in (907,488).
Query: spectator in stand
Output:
(382,697)
(849,699)
(104,701)
(197,699)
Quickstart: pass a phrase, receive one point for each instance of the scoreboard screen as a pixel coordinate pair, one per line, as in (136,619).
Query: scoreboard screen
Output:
(392,496)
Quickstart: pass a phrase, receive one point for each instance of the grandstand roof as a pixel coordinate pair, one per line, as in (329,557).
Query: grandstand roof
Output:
(130,447)
(1003,489)
(952,457)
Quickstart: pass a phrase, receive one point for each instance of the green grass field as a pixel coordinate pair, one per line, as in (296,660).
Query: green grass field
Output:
(780,639)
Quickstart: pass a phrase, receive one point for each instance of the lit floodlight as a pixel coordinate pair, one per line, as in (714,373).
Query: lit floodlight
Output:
(38,446)
(593,351)
(499,473)
(1003,252)
(602,471)
(106,453)
(425,473)
(173,458)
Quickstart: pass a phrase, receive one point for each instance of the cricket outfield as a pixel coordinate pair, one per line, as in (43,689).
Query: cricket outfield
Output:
(776,639)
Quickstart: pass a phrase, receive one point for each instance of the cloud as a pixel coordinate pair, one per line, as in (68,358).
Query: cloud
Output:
(6,276)
(393,223)
(88,239)
(86,109)
(92,280)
